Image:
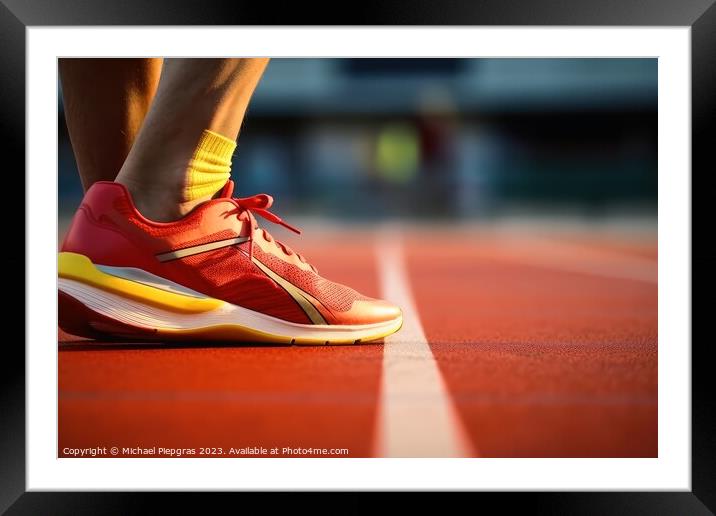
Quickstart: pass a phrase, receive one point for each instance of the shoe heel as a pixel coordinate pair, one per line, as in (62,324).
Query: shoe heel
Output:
(75,318)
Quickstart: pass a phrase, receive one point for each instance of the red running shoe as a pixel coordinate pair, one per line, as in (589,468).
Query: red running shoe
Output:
(213,275)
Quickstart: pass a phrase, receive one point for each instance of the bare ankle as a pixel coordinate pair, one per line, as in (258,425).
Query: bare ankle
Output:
(159,203)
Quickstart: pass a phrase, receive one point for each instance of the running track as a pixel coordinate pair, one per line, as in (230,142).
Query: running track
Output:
(516,344)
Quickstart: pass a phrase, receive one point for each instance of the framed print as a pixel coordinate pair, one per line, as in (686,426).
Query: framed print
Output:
(491,290)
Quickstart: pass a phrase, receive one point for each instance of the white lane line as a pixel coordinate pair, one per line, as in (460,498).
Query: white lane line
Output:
(416,415)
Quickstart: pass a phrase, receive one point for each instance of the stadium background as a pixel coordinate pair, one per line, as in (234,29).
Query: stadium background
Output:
(366,139)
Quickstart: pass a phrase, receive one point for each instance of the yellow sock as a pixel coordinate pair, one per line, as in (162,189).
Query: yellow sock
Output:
(210,166)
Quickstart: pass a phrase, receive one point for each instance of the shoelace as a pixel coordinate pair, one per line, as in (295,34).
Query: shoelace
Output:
(259,204)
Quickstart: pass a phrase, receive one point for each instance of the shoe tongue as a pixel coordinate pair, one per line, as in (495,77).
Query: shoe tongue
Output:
(227,190)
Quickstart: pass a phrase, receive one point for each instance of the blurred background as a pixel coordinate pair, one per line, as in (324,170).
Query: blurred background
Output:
(473,139)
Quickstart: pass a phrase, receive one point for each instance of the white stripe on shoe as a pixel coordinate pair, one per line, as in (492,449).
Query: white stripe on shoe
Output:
(416,415)
(198,249)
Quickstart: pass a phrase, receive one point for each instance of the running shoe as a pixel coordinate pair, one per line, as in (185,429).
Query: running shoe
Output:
(213,275)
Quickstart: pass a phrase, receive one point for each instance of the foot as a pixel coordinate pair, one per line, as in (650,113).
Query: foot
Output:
(213,275)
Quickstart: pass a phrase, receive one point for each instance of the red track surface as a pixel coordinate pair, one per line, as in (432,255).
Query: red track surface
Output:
(540,357)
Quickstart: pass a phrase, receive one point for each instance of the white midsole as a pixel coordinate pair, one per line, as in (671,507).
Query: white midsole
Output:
(139,314)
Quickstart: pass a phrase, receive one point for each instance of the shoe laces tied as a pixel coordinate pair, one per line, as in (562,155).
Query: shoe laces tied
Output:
(259,204)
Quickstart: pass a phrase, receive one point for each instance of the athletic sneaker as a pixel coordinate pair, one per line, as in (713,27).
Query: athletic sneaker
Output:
(213,275)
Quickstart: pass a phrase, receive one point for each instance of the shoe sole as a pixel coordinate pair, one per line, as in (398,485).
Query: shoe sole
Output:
(96,302)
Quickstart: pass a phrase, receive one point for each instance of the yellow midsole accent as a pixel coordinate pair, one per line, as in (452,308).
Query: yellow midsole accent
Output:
(79,268)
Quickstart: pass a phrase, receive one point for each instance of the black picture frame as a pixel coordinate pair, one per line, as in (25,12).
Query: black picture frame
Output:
(17,15)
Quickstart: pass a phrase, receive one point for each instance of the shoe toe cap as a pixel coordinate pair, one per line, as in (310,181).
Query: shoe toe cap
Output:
(369,312)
